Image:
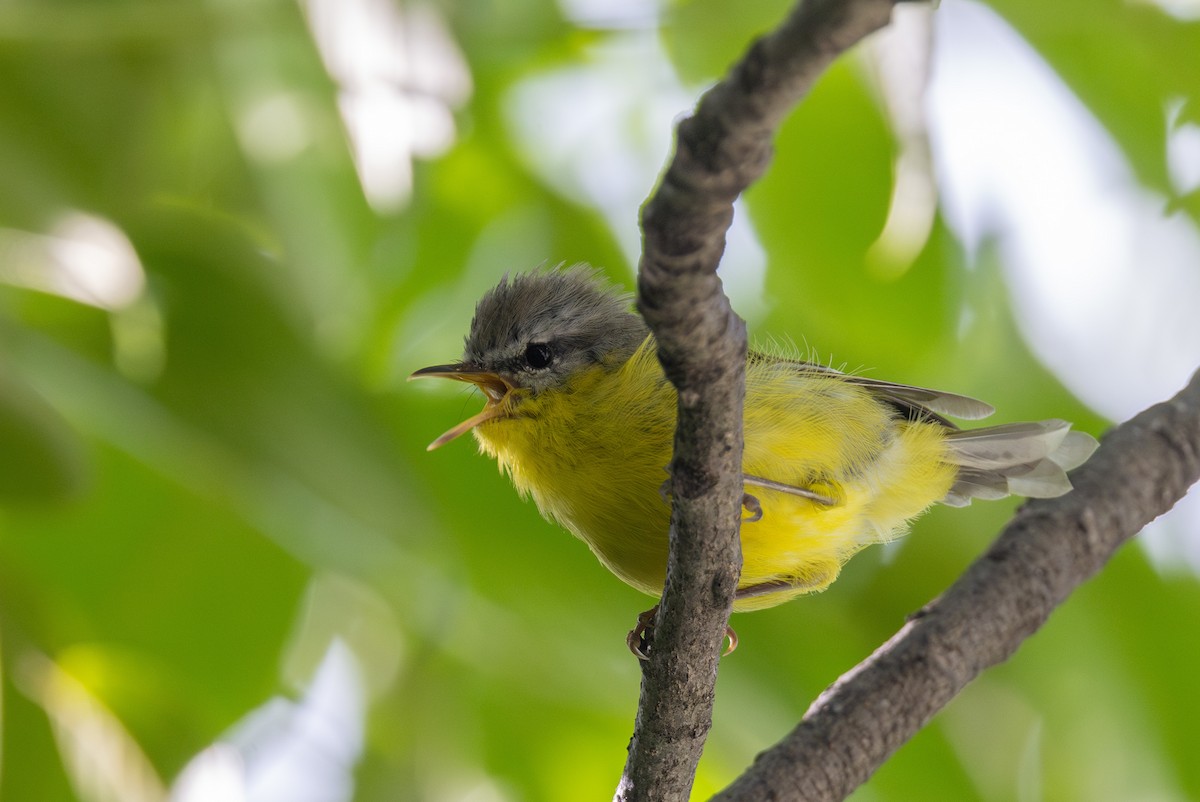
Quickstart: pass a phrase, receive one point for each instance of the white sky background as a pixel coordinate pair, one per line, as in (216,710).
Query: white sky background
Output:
(1105,287)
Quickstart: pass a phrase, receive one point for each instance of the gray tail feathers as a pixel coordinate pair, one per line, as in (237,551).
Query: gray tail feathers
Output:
(1018,459)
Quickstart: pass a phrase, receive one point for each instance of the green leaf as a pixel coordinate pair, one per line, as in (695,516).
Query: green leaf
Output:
(818,212)
(41,458)
(703,38)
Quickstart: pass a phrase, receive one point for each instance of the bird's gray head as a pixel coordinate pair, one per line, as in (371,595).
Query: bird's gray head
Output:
(536,329)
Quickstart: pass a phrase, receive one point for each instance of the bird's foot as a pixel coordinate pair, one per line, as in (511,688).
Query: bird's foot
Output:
(641,636)
(752,505)
(638,639)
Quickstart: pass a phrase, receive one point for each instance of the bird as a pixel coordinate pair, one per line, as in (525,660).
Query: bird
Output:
(581,417)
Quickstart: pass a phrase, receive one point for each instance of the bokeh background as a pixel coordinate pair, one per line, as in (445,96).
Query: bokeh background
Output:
(230,229)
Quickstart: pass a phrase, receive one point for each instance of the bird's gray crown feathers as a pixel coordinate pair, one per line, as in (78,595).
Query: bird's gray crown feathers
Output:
(540,327)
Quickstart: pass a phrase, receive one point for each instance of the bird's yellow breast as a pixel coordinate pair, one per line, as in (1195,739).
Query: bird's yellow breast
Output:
(593,455)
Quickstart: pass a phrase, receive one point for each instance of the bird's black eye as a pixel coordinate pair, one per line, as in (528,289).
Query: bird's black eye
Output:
(538,356)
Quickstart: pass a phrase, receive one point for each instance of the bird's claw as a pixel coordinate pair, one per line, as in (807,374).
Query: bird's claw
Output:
(752,504)
(639,644)
(636,640)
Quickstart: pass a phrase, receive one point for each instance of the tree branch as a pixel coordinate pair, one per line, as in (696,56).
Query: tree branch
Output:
(723,148)
(1051,547)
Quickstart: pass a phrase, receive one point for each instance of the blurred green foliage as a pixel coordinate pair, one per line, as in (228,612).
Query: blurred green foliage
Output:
(203,485)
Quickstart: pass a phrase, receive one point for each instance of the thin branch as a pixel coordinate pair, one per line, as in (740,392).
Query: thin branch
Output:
(1051,547)
(723,148)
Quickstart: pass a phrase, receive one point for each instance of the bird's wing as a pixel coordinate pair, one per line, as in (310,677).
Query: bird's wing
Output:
(919,399)
(914,402)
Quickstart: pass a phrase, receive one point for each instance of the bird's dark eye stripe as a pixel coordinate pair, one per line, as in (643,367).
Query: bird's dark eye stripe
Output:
(538,355)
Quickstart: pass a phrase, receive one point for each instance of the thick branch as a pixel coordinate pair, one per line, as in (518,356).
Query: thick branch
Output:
(720,151)
(1051,547)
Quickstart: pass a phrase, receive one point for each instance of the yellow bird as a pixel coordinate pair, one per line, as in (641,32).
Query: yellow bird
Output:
(581,417)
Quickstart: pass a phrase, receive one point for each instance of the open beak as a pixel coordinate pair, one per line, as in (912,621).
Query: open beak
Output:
(493,386)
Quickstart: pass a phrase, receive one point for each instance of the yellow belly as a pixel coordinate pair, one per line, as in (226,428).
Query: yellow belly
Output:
(593,457)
